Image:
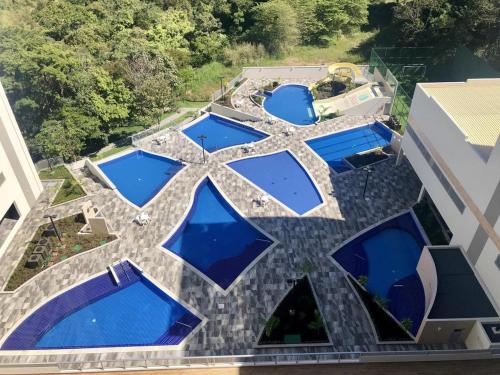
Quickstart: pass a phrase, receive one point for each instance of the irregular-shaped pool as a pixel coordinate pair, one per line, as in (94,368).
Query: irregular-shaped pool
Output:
(292,103)
(283,177)
(221,132)
(215,239)
(102,313)
(140,175)
(387,255)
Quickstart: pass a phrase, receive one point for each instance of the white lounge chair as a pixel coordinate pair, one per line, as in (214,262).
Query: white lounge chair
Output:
(142,219)
(161,139)
(249,147)
(289,131)
(263,200)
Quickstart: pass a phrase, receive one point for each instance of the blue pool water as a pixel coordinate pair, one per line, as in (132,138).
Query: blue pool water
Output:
(335,147)
(102,313)
(281,176)
(215,239)
(139,175)
(292,103)
(388,255)
(136,315)
(221,133)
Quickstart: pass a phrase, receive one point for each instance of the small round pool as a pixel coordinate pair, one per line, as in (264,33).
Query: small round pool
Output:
(292,103)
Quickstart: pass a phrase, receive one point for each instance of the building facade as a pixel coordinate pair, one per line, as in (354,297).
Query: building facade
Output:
(20,185)
(452,141)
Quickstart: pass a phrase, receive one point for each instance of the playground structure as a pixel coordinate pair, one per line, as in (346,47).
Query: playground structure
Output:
(344,72)
(368,98)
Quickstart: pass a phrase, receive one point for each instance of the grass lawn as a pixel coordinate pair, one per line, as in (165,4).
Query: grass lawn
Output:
(105,154)
(70,188)
(345,49)
(72,244)
(179,119)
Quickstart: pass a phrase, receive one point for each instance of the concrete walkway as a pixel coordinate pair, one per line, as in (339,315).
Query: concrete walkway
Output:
(235,320)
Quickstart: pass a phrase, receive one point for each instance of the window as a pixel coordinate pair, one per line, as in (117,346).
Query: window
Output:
(437,171)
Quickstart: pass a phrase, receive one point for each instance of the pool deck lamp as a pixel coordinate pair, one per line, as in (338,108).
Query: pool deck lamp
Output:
(368,169)
(202,138)
(52,217)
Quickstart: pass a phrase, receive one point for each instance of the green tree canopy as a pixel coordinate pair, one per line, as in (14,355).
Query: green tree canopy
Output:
(275,26)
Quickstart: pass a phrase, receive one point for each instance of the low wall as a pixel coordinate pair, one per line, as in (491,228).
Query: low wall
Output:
(314,73)
(427,272)
(371,107)
(232,113)
(98,173)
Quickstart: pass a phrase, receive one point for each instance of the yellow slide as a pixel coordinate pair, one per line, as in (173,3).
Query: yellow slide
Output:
(333,68)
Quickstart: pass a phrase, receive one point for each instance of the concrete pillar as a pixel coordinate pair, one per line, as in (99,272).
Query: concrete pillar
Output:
(400,157)
(421,194)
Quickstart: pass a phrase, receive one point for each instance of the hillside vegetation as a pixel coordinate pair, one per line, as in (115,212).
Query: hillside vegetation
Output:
(77,70)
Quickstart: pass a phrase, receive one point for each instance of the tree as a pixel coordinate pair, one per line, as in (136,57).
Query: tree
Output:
(448,24)
(275,26)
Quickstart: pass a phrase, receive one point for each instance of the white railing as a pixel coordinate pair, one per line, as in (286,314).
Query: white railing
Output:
(252,360)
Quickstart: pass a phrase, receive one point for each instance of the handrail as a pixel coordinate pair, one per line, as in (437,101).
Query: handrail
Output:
(261,359)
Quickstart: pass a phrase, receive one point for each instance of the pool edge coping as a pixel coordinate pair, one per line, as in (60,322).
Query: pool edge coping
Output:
(105,349)
(217,287)
(266,112)
(136,149)
(365,230)
(301,164)
(341,131)
(238,123)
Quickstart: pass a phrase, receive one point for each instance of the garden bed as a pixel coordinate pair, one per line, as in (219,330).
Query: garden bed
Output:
(362,160)
(297,319)
(70,188)
(387,329)
(72,244)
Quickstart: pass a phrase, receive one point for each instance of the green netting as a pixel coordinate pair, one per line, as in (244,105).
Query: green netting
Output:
(402,68)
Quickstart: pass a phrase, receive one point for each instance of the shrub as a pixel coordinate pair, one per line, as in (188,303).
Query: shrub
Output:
(363,280)
(243,53)
(407,323)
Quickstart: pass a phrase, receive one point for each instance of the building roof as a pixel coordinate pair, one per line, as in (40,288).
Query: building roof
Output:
(473,105)
(459,293)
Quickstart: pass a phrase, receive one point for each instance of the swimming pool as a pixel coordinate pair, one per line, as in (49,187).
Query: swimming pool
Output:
(215,239)
(334,148)
(283,177)
(292,103)
(387,255)
(100,313)
(140,175)
(221,132)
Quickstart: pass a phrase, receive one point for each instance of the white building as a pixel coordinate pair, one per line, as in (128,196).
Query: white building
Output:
(452,142)
(20,186)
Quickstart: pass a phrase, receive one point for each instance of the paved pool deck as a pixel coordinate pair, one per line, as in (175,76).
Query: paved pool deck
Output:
(234,328)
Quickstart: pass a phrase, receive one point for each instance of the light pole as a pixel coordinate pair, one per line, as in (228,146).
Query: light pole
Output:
(52,217)
(368,170)
(202,138)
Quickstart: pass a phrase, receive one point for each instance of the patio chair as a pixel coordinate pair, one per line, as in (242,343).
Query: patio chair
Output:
(289,131)
(263,200)
(161,139)
(142,219)
(249,147)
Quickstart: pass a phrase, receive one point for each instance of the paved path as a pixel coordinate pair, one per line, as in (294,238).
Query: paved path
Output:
(235,327)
